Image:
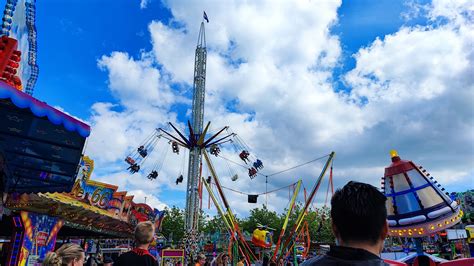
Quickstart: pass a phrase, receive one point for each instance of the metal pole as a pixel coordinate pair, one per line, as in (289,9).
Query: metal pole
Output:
(192,194)
(266,190)
(308,201)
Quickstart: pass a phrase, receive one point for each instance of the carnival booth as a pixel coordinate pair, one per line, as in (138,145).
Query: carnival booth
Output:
(91,209)
(40,157)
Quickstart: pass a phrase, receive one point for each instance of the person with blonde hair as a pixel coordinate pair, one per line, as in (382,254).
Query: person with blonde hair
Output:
(139,256)
(68,254)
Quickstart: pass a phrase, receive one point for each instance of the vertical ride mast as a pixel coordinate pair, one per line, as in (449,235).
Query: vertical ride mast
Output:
(195,160)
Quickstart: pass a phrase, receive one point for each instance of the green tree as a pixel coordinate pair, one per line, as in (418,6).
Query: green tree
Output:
(319,225)
(173,224)
(213,225)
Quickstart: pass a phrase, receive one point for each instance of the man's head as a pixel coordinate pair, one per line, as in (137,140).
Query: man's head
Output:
(359,214)
(144,232)
(108,261)
(225,257)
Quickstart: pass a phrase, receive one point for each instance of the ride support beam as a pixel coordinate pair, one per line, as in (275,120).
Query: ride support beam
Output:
(231,217)
(214,136)
(308,201)
(285,223)
(180,134)
(225,218)
(175,138)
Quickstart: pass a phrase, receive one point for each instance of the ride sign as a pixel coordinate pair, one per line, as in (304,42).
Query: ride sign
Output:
(94,193)
(91,192)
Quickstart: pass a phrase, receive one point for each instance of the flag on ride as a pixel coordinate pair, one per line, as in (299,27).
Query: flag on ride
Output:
(205,17)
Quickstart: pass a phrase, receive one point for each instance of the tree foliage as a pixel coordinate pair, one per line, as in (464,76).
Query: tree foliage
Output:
(318,219)
(173,224)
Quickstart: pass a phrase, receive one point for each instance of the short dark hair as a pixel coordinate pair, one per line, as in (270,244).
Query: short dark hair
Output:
(358,211)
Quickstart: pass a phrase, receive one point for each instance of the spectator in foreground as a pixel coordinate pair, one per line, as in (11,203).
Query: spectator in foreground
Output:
(68,254)
(359,223)
(139,256)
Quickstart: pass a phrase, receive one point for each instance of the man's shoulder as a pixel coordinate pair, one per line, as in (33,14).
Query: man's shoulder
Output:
(318,260)
(132,258)
(328,260)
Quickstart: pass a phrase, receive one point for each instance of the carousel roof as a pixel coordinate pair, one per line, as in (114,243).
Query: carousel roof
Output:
(40,146)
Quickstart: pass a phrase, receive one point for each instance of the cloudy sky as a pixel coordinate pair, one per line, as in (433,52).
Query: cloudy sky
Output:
(294,79)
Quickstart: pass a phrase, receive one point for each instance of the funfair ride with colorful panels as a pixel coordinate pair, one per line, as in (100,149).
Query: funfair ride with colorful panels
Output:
(417,205)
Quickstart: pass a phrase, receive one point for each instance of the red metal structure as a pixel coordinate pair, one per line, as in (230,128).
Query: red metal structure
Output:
(9,61)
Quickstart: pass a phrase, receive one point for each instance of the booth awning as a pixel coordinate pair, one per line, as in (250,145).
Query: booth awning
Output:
(74,213)
(40,146)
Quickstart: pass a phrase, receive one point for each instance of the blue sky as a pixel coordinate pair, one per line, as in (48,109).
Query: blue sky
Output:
(73,35)
(126,69)
(362,21)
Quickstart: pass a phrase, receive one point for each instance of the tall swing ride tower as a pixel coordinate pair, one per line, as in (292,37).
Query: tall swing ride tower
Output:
(197,120)
(196,142)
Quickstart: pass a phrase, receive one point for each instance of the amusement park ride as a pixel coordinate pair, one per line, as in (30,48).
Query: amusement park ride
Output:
(416,204)
(198,142)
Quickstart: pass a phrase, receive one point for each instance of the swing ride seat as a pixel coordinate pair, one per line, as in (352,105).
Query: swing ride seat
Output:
(244,155)
(175,147)
(255,165)
(143,153)
(179,179)
(129,160)
(234,177)
(153,175)
(134,168)
(252,172)
(215,150)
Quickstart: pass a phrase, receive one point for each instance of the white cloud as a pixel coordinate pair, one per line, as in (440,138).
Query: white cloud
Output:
(126,75)
(269,76)
(412,64)
(141,196)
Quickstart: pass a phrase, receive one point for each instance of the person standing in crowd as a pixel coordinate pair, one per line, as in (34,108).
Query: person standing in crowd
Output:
(225,259)
(241,262)
(200,260)
(139,256)
(359,223)
(68,254)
